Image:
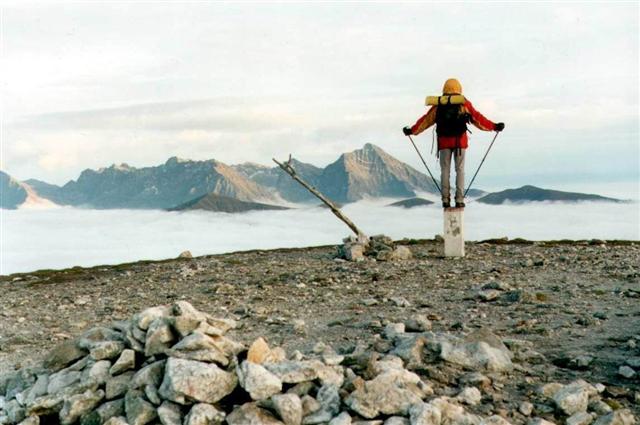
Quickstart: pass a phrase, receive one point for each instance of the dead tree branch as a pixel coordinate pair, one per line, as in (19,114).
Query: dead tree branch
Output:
(334,208)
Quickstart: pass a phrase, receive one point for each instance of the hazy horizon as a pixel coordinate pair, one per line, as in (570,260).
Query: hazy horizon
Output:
(91,84)
(65,237)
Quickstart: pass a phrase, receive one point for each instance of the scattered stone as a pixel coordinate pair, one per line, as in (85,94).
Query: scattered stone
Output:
(104,350)
(258,381)
(170,413)
(573,398)
(126,361)
(288,407)
(618,417)
(204,414)
(525,408)
(78,405)
(118,385)
(580,418)
(392,392)
(138,410)
(470,396)
(185,255)
(251,414)
(63,355)
(192,380)
(626,372)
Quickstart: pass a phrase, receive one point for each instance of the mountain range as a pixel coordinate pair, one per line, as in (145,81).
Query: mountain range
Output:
(535,194)
(369,172)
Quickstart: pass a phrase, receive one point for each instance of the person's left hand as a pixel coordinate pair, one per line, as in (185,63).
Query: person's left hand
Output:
(407,131)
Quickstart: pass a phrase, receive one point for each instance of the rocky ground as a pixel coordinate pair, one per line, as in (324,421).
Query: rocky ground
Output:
(565,310)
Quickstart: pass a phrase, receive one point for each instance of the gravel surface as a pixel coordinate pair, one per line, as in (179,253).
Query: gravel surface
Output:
(576,303)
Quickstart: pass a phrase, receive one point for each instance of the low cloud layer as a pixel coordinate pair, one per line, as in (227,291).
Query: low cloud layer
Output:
(65,237)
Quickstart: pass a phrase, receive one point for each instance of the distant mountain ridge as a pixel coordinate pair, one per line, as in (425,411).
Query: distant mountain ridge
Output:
(13,192)
(369,172)
(530,193)
(218,203)
(164,186)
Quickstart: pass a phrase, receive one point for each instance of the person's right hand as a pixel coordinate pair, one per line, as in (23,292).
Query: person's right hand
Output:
(500,126)
(407,131)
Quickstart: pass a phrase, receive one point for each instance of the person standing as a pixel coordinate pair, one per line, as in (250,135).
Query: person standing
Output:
(451,118)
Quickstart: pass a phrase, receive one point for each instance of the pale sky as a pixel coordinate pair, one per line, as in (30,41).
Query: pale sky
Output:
(88,84)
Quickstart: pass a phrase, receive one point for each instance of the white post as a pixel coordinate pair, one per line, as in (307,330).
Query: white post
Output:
(454,232)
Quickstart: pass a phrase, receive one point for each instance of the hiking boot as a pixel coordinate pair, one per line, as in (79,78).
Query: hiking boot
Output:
(446,204)
(459,204)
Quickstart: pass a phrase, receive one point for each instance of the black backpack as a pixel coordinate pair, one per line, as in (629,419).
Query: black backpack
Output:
(451,121)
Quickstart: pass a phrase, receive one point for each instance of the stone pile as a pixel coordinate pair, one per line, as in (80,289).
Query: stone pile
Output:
(379,248)
(174,365)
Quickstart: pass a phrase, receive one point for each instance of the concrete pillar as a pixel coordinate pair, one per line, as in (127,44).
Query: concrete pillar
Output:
(454,232)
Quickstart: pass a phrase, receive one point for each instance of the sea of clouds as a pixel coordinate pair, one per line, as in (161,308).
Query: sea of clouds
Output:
(33,239)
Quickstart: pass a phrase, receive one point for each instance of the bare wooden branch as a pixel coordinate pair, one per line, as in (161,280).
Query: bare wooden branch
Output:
(288,168)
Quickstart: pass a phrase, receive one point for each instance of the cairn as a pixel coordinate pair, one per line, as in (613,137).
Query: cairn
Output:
(175,365)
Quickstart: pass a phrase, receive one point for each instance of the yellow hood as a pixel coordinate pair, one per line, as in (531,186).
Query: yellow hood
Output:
(452,86)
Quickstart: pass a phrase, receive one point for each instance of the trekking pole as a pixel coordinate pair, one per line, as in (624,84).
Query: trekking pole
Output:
(425,164)
(481,162)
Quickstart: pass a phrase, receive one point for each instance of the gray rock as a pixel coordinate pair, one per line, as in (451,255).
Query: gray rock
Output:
(126,361)
(618,417)
(37,390)
(424,414)
(400,253)
(117,420)
(14,411)
(481,351)
(574,398)
(495,420)
(251,414)
(488,294)
(61,380)
(600,407)
(288,407)
(525,408)
(104,350)
(118,385)
(159,337)
(540,421)
(170,413)
(470,396)
(78,405)
(204,414)
(258,381)
(309,405)
(392,392)
(31,420)
(63,355)
(626,372)
(329,400)
(151,374)
(98,371)
(580,418)
(151,392)
(138,410)
(105,412)
(187,379)
(634,362)
(201,347)
(143,319)
(342,419)
(397,420)
(353,251)
(292,372)
(418,323)
(45,405)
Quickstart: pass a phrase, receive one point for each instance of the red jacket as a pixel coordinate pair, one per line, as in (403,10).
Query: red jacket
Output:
(444,142)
